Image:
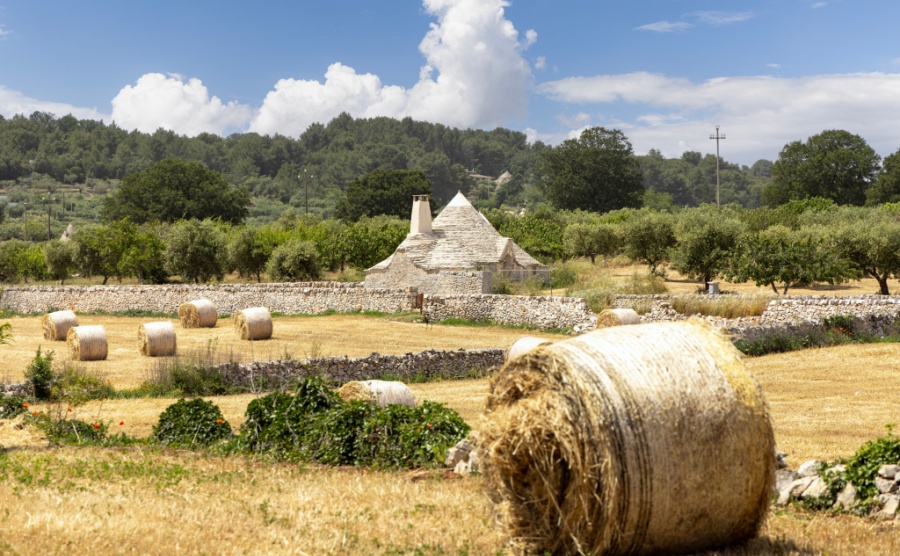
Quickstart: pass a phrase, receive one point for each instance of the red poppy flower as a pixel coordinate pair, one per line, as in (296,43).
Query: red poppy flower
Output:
(121,423)
(34,413)
(69,410)
(219,421)
(428,425)
(25,405)
(96,425)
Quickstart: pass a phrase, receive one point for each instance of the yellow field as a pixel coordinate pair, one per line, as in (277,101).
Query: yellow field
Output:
(824,404)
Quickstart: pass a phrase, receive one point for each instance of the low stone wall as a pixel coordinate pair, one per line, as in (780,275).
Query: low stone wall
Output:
(815,308)
(426,365)
(288,298)
(538,311)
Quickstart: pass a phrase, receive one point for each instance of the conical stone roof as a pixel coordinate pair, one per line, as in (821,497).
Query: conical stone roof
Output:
(461,238)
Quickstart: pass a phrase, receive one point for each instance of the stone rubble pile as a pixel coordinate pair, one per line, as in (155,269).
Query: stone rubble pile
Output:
(807,484)
(463,458)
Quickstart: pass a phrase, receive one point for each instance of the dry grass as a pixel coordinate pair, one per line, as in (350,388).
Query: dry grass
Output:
(824,403)
(294,337)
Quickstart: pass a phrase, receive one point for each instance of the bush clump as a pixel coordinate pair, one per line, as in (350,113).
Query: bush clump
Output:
(41,376)
(191,423)
(11,406)
(72,431)
(315,424)
(835,330)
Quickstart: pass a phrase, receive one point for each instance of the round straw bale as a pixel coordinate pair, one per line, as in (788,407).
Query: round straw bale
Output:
(254,323)
(156,339)
(617,317)
(200,313)
(523,345)
(87,343)
(57,324)
(381,392)
(629,440)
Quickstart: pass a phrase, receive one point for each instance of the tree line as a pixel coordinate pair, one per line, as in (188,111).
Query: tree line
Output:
(798,243)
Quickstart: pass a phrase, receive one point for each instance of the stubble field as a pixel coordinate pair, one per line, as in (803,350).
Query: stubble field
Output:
(144,500)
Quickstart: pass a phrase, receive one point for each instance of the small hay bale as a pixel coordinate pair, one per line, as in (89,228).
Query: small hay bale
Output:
(56,325)
(200,313)
(617,317)
(254,323)
(381,392)
(523,345)
(87,343)
(643,439)
(156,339)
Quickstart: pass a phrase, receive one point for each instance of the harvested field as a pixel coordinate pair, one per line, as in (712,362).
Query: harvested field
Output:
(294,337)
(824,403)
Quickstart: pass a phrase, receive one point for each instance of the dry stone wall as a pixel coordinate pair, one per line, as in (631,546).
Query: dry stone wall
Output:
(289,298)
(538,311)
(426,365)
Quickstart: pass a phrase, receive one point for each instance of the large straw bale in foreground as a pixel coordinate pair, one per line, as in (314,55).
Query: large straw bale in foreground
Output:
(523,345)
(617,317)
(629,440)
(254,323)
(381,392)
(200,313)
(56,325)
(87,343)
(156,339)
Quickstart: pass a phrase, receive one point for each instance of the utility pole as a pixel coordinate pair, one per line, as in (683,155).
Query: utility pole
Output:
(49,199)
(717,137)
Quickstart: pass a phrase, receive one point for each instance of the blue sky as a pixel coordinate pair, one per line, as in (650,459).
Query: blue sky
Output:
(666,72)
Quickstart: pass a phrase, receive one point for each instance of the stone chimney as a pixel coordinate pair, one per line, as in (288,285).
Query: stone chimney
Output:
(420,222)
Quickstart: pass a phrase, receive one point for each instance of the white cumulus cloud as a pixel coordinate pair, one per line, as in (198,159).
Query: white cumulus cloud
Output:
(760,113)
(14,102)
(474,75)
(171,102)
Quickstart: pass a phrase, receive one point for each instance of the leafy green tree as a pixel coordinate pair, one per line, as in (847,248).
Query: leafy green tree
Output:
(294,261)
(174,189)
(371,240)
(887,185)
(704,237)
(779,255)
(590,240)
(246,253)
(59,256)
(538,234)
(834,164)
(145,257)
(99,249)
(596,172)
(648,236)
(197,251)
(873,245)
(382,191)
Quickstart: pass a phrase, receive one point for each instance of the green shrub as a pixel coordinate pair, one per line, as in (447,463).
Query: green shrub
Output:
(862,467)
(191,423)
(401,436)
(278,423)
(562,276)
(315,424)
(72,431)
(11,406)
(294,261)
(501,284)
(781,340)
(77,386)
(41,376)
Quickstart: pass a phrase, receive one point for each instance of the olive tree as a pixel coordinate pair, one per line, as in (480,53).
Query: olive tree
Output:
(197,251)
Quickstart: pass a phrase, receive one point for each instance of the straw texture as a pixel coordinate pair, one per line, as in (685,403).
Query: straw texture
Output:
(523,345)
(87,343)
(200,313)
(253,324)
(156,339)
(629,440)
(57,324)
(617,317)
(381,392)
